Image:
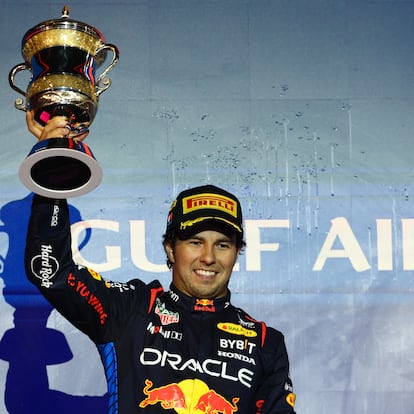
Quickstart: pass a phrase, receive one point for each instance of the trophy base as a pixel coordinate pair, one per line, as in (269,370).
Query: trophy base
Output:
(60,168)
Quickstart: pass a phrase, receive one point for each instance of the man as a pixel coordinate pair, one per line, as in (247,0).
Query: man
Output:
(187,349)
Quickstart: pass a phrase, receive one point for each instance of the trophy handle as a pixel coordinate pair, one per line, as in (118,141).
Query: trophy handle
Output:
(106,82)
(19,103)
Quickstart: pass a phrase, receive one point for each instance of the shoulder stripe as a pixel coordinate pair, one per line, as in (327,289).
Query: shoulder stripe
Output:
(154,293)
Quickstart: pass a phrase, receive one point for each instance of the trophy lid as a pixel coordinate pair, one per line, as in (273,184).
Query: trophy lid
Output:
(62,32)
(65,22)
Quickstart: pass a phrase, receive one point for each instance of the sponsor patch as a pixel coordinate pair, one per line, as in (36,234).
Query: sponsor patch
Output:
(235,329)
(209,366)
(166,317)
(54,221)
(259,406)
(204,305)
(94,274)
(121,286)
(213,201)
(167,334)
(188,396)
(83,291)
(290,399)
(180,397)
(45,266)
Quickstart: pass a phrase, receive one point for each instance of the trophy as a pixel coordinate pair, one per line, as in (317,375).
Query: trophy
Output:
(64,57)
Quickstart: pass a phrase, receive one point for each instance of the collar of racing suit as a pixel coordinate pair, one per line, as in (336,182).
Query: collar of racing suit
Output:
(196,304)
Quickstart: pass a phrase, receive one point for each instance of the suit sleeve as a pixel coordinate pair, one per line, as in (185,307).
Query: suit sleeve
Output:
(276,391)
(97,307)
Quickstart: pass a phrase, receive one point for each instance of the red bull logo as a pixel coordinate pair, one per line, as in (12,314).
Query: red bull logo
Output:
(169,396)
(204,305)
(213,403)
(191,396)
(205,302)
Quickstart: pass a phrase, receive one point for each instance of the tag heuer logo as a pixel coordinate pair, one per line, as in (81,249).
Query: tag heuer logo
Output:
(166,317)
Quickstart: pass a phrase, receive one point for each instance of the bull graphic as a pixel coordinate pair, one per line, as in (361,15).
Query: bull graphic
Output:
(213,403)
(169,396)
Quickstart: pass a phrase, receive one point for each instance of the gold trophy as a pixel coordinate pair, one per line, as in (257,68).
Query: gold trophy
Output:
(63,56)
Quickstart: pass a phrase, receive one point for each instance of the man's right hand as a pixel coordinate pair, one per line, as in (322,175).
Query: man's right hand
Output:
(56,127)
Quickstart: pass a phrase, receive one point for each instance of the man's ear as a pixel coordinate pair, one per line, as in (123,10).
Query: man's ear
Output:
(169,250)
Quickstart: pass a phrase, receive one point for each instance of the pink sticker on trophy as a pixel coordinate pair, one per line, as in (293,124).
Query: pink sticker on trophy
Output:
(44,116)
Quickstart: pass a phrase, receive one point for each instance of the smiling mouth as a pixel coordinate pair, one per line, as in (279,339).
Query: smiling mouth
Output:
(206,273)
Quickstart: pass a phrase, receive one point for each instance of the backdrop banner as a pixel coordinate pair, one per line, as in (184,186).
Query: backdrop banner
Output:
(302,109)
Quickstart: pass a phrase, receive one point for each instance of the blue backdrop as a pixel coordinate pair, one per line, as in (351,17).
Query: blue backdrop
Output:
(302,108)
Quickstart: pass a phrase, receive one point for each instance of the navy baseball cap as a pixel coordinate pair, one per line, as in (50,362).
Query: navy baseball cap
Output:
(205,208)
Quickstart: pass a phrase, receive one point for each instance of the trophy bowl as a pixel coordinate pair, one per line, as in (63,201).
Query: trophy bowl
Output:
(66,60)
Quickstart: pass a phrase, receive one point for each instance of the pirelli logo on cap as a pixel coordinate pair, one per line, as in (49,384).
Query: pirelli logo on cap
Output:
(213,201)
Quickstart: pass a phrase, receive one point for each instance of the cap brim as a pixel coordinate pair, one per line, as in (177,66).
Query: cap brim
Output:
(208,224)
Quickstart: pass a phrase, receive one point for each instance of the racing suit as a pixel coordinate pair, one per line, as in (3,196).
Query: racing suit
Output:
(160,349)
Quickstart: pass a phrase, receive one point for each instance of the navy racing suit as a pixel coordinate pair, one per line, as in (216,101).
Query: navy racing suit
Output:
(161,349)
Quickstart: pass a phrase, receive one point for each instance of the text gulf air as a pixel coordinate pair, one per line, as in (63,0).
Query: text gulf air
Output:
(339,244)
(209,366)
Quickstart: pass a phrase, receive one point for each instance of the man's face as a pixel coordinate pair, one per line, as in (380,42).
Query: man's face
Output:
(203,264)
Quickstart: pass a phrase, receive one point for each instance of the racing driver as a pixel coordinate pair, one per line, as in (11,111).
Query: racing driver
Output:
(187,349)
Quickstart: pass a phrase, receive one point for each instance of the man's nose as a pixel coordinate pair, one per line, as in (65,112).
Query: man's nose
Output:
(207,254)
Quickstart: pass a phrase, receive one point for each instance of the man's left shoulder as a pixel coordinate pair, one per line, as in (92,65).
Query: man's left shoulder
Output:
(267,334)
